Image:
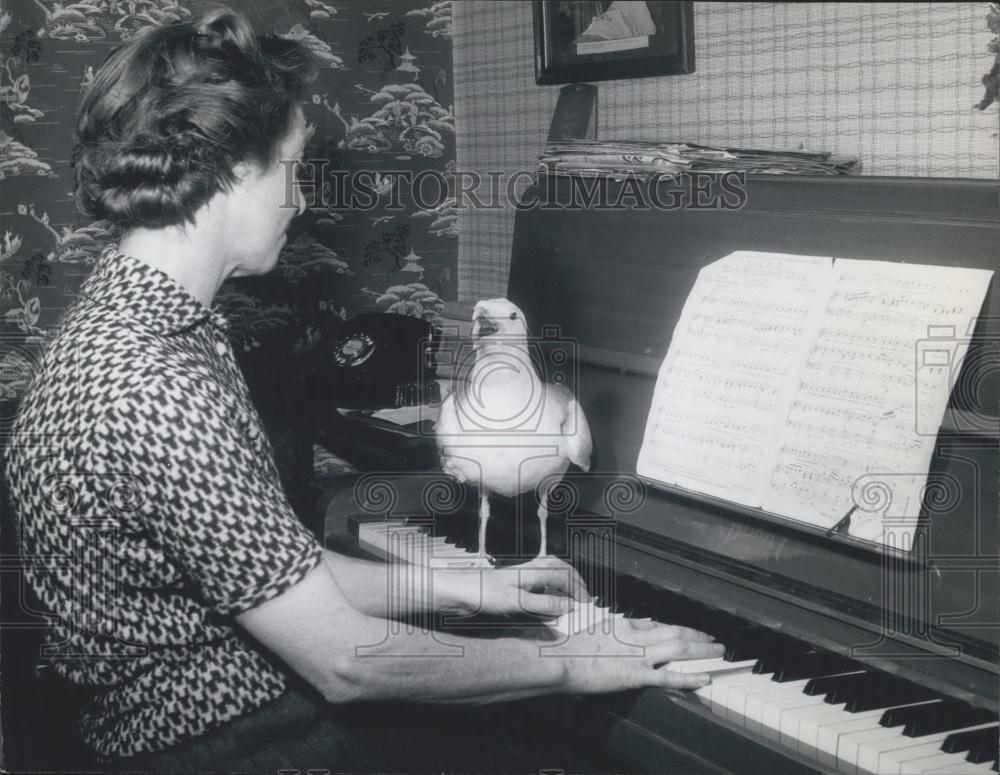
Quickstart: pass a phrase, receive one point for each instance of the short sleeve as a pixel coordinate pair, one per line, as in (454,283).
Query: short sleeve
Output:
(208,492)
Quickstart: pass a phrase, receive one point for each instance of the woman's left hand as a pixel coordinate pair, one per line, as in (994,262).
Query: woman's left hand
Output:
(545,586)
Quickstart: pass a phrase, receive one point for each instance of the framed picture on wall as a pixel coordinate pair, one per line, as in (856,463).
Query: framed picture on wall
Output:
(599,40)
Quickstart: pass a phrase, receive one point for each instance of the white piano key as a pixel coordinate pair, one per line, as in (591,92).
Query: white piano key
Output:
(725,683)
(965,768)
(776,710)
(716,693)
(411,544)
(872,754)
(870,751)
(756,701)
(736,697)
(828,735)
(811,726)
(849,746)
(893,761)
(713,666)
(789,732)
(704,693)
(943,762)
(916,748)
(861,750)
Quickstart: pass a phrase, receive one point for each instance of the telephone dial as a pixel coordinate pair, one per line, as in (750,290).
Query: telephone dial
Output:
(375,360)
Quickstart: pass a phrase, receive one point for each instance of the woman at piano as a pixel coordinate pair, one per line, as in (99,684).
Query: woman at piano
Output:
(213,631)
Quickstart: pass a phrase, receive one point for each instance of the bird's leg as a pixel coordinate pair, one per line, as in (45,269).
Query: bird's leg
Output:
(484,516)
(543,518)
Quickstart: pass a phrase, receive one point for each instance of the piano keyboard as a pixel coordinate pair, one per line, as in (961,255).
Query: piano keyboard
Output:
(829,710)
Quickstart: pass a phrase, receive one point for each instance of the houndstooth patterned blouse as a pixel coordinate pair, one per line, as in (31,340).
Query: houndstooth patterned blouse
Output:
(150,510)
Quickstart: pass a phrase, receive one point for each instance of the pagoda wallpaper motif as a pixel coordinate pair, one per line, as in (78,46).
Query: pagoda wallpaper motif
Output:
(382,114)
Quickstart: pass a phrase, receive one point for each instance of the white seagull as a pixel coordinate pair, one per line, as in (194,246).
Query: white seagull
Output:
(502,429)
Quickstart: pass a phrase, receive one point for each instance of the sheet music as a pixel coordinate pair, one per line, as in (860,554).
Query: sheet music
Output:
(862,427)
(796,384)
(742,329)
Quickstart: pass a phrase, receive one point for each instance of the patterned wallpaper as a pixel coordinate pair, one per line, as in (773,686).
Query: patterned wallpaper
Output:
(381,109)
(895,84)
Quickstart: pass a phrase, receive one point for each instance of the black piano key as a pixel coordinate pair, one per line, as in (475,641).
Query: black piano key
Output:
(787,660)
(867,691)
(984,751)
(879,694)
(826,684)
(729,635)
(895,717)
(940,717)
(811,665)
(682,612)
(780,655)
(760,642)
(942,722)
(976,739)
(850,688)
(645,600)
(740,651)
(618,607)
(692,616)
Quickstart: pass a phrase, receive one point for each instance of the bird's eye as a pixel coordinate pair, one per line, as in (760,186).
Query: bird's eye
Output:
(513,316)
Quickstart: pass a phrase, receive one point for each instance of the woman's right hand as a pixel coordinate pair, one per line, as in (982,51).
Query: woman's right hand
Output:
(635,654)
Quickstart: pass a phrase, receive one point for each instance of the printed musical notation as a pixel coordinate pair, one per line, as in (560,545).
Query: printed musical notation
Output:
(746,322)
(790,379)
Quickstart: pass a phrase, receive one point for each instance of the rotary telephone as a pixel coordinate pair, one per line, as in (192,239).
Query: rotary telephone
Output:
(375,360)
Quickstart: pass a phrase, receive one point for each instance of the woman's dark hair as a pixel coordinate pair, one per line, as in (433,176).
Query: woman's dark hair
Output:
(171,113)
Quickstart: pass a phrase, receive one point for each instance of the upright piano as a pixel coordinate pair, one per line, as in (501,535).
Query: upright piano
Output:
(842,656)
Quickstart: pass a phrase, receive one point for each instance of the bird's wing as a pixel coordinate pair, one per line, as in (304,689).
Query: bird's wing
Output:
(574,426)
(447,427)
(447,421)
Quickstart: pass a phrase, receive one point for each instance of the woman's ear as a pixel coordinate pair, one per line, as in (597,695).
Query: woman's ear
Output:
(245,170)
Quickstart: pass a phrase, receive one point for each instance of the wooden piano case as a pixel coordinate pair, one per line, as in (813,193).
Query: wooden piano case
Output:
(611,282)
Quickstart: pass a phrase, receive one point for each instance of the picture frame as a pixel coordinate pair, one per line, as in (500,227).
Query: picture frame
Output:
(584,40)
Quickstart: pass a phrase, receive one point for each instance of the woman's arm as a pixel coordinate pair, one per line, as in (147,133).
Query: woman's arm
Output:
(543,587)
(348,655)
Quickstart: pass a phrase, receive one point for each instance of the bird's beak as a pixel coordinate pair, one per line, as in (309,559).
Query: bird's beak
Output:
(483,325)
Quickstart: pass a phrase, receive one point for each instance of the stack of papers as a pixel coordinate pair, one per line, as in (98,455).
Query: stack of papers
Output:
(617,158)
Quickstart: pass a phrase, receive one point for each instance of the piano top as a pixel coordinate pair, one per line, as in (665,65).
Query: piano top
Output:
(611,283)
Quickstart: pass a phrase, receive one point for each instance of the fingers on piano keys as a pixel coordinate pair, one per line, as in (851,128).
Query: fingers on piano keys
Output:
(825,707)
